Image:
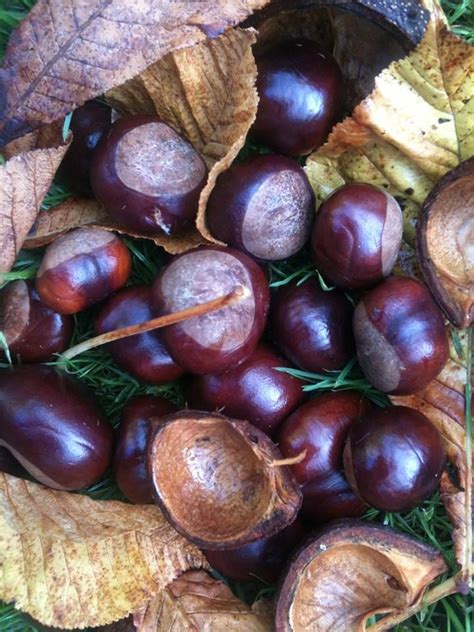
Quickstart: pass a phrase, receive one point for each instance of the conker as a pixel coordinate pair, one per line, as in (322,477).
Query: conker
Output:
(144,355)
(148,178)
(320,428)
(313,327)
(394,458)
(33,331)
(356,235)
(219,481)
(263,206)
(253,391)
(224,338)
(400,335)
(52,426)
(82,268)
(300,97)
(263,559)
(130,467)
(89,123)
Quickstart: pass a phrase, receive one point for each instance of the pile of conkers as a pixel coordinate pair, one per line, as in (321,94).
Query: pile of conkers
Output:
(252,464)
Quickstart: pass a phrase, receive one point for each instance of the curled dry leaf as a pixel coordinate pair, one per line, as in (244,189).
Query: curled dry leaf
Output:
(443,401)
(63,54)
(195,602)
(70,561)
(350,572)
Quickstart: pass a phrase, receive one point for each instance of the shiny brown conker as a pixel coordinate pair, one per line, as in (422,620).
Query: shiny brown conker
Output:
(263,206)
(130,467)
(401,339)
(394,458)
(313,327)
(144,355)
(300,97)
(356,235)
(53,427)
(254,391)
(224,338)
(82,268)
(148,178)
(33,331)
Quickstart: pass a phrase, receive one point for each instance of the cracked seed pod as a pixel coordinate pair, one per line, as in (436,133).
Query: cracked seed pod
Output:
(218,480)
(445,243)
(351,571)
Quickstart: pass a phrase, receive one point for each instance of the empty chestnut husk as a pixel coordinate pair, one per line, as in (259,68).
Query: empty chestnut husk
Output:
(219,481)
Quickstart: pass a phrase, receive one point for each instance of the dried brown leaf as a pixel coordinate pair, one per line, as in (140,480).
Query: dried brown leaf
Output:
(65,53)
(73,562)
(195,602)
(24,181)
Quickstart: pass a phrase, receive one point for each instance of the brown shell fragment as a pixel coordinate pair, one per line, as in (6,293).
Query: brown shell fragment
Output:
(445,243)
(218,481)
(350,572)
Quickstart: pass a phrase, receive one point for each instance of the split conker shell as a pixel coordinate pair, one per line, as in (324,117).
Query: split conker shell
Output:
(445,243)
(81,268)
(401,339)
(224,338)
(394,458)
(356,235)
(148,178)
(33,331)
(218,482)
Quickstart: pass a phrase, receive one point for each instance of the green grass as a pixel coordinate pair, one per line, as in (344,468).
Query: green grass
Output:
(114,387)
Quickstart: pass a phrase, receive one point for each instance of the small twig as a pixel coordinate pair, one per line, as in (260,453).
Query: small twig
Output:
(156,323)
(291,460)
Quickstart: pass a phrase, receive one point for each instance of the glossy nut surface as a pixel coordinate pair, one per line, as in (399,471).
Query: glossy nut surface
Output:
(148,178)
(144,355)
(300,92)
(401,340)
(356,235)
(53,427)
(263,206)
(312,327)
(253,391)
(82,268)
(130,467)
(394,458)
(89,123)
(222,339)
(33,331)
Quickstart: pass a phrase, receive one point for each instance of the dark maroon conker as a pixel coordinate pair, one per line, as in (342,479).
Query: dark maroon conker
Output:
(224,338)
(82,268)
(52,426)
(313,327)
(394,458)
(33,331)
(144,355)
(320,428)
(356,235)
(401,340)
(130,467)
(148,178)
(263,206)
(300,97)
(253,391)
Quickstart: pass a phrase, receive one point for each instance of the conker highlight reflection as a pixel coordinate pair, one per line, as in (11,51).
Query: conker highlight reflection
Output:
(144,355)
(148,178)
(33,331)
(401,340)
(313,327)
(356,235)
(82,268)
(394,458)
(263,206)
(300,97)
